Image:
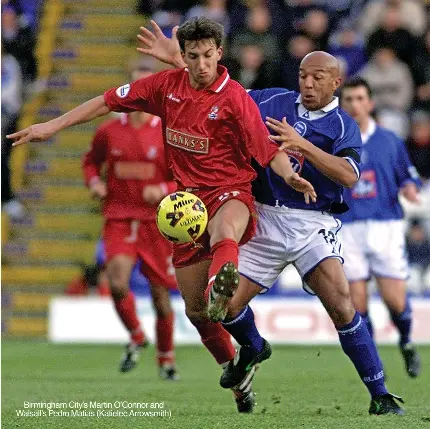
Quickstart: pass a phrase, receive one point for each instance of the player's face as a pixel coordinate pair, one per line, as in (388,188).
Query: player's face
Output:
(202,59)
(357,103)
(317,85)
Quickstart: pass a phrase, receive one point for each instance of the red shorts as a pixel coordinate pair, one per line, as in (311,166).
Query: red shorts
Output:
(141,240)
(189,254)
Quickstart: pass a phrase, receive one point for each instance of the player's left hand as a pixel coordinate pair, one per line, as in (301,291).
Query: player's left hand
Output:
(153,194)
(156,44)
(286,134)
(410,192)
(302,185)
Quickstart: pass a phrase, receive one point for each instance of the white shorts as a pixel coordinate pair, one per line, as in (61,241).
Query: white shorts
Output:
(286,236)
(375,248)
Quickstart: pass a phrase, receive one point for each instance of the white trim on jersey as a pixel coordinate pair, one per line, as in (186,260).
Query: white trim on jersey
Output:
(275,95)
(223,84)
(343,125)
(354,165)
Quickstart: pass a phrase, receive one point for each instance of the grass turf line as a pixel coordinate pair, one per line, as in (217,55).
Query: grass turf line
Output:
(299,387)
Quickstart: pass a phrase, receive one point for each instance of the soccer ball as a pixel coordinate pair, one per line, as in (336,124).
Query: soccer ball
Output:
(182,217)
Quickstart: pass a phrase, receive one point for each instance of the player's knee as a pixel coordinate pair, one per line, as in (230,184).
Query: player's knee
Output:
(341,309)
(223,232)
(162,307)
(119,285)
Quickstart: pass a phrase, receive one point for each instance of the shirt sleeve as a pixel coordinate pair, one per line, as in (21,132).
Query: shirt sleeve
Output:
(143,95)
(254,133)
(93,160)
(262,95)
(349,144)
(404,170)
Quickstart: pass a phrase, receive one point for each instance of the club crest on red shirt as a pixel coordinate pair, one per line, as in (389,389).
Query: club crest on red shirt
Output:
(213,113)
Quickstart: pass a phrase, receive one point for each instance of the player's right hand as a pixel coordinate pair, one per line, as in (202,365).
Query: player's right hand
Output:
(98,190)
(158,45)
(302,185)
(34,133)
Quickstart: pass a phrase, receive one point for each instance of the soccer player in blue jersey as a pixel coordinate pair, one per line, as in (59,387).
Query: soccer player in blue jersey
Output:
(324,144)
(373,231)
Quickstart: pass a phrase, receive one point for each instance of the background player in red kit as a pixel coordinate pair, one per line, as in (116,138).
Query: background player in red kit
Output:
(212,131)
(132,149)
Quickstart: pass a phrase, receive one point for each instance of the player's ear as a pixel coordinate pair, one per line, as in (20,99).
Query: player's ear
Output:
(219,52)
(336,83)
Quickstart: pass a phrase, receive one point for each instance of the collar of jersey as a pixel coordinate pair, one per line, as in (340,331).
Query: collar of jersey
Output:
(371,128)
(221,82)
(329,107)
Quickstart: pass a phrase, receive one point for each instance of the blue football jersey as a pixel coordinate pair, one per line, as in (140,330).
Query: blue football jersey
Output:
(385,168)
(330,129)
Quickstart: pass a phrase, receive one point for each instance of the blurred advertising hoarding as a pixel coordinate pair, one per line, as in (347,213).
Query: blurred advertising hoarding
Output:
(280,320)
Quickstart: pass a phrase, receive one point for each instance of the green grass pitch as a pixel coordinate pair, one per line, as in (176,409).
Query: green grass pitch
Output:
(299,387)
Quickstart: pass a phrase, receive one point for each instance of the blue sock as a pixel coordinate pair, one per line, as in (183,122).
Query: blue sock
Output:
(242,328)
(368,321)
(403,322)
(358,345)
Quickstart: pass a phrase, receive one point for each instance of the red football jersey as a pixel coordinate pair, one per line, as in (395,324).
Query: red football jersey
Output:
(210,135)
(134,158)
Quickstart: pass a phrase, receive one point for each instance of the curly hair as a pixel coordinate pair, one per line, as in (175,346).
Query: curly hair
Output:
(200,29)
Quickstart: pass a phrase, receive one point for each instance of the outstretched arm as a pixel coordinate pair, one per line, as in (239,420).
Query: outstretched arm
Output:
(40,132)
(159,46)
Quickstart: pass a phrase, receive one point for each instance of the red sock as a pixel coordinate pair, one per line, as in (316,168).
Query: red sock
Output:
(217,340)
(126,310)
(224,251)
(165,347)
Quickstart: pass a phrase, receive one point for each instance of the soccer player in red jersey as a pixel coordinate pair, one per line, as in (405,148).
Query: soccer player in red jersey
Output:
(212,130)
(132,149)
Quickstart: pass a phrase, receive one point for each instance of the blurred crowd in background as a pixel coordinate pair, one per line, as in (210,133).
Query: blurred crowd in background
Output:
(385,41)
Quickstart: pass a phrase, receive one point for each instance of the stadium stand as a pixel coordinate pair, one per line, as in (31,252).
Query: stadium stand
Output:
(82,48)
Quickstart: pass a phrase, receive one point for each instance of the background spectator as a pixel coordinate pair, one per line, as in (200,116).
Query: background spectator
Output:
(11,103)
(348,45)
(421,72)
(390,80)
(19,41)
(257,32)
(298,47)
(418,245)
(390,34)
(419,143)
(412,13)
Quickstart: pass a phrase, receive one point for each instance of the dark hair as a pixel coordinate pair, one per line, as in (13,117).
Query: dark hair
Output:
(357,82)
(200,29)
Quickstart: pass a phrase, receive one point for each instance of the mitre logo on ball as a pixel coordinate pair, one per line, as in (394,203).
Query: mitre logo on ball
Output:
(182,217)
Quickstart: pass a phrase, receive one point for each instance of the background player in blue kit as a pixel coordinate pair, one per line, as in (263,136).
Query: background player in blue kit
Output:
(325,145)
(374,232)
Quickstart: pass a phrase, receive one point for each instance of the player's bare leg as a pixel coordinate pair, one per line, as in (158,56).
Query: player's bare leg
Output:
(328,281)
(118,270)
(192,282)
(241,325)
(226,228)
(360,299)
(164,332)
(393,292)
